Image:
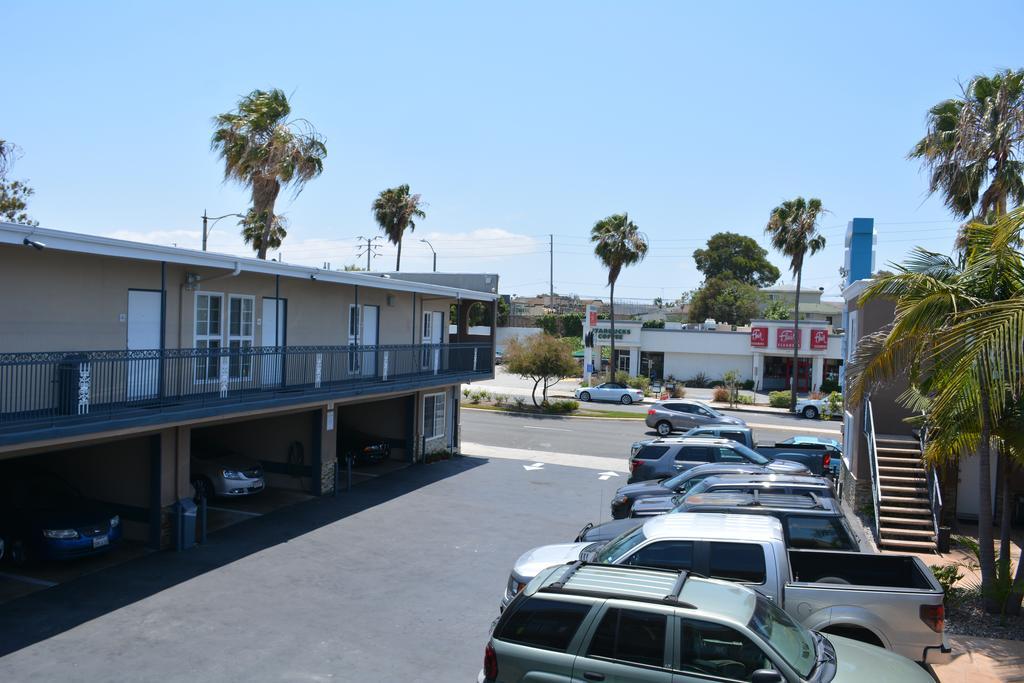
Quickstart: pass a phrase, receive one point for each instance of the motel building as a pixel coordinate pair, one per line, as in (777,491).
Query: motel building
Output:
(762,352)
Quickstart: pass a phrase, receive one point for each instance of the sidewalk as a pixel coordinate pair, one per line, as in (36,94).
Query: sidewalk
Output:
(982,660)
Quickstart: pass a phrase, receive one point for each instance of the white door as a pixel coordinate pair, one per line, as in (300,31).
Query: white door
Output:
(272,335)
(437,320)
(143,335)
(369,339)
(968,497)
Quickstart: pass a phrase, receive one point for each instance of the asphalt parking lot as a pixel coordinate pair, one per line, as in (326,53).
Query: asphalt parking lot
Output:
(398,580)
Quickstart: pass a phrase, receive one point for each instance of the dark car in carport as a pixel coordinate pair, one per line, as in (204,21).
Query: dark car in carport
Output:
(44,517)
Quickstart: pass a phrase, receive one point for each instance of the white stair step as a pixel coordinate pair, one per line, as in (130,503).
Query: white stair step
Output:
(908,521)
(900,462)
(897,450)
(903,489)
(904,500)
(896,543)
(888,531)
(896,510)
(897,438)
(897,478)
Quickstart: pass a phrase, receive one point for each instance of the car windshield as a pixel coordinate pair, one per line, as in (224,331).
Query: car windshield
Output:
(619,546)
(750,454)
(790,640)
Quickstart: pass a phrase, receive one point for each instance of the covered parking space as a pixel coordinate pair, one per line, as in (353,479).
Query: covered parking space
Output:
(378,436)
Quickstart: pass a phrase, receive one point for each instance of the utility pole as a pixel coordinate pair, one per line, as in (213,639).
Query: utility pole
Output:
(206,219)
(434,252)
(551,268)
(370,249)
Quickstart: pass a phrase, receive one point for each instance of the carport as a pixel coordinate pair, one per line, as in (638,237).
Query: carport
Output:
(387,421)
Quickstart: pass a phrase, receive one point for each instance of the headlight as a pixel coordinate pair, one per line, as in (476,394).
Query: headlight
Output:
(115,521)
(60,533)
(232,474)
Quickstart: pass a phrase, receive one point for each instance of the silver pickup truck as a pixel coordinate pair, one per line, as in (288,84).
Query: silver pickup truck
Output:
(888,600)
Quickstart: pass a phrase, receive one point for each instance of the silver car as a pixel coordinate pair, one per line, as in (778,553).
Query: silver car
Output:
(225,473)
(610,391)
(680,415)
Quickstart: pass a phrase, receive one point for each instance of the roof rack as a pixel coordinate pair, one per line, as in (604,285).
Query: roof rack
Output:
(589,577)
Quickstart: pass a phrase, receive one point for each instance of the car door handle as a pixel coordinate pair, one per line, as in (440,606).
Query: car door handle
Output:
(593,676)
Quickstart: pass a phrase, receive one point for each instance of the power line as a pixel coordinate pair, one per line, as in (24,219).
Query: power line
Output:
(370,250)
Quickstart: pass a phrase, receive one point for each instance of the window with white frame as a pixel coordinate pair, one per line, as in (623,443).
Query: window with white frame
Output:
(433,415)
(241,332)
(208,333)
(353,337)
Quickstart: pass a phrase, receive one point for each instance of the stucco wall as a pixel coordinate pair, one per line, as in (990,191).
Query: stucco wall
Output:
(683,366)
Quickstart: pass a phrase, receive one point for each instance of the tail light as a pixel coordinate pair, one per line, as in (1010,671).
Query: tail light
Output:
(827,461)
(651,411)
(633,464)
(490,663)
(934,616)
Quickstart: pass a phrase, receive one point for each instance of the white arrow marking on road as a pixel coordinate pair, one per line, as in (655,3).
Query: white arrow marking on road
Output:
(607,475)
(534,466)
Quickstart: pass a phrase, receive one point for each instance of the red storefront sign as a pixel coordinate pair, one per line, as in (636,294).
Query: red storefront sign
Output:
(784,338)
(759,336)
(819,339)
(593,318)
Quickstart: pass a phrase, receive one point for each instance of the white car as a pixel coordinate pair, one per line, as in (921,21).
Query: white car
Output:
(610,391)
(811,408)
(224,473)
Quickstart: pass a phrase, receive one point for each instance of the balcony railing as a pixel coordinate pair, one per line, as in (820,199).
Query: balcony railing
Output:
(46,390)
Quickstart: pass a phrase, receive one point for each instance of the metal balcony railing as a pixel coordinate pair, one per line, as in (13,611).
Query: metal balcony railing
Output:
(42,390)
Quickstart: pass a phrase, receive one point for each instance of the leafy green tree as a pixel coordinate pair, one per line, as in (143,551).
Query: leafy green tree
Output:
(14,194)
(974,143)
(725,300)
(395,211)
(265,151)
(732,256)
(618,243)
(503,312)
(541,357)
(793,228)
(957,334)
(252,231)
(776,310)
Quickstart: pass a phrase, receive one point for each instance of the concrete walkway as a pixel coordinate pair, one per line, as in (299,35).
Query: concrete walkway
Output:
(983,660)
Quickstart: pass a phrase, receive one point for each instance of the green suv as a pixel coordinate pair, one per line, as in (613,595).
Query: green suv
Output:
(621,624)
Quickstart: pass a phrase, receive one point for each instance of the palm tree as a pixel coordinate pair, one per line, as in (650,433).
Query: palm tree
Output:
(617,243)
(956,334)
(395,210)
(252,231)
(793,228)
(263,150)
(975,139)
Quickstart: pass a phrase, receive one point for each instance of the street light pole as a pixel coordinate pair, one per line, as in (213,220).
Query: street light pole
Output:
(432,251)
(206,219)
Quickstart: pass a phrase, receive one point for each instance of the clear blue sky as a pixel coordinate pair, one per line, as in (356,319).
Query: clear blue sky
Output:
(514,120)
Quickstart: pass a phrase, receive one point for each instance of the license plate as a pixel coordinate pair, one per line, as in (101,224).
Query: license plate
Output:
(256,485)
(100,541)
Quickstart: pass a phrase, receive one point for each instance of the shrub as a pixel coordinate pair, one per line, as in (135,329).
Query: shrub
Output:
(947,576)
(476,397)
(485,395)
(466,392)
(500,400)
(679,391)
(720,394)
(700,380)
(745,400)
(747,384)
(779,399)
(520,401)
(561,406)
(829,385)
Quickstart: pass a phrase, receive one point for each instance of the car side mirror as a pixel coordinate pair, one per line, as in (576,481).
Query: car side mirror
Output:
(766,676)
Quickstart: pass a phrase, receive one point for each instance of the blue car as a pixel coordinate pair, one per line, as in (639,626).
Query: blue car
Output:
(44,517)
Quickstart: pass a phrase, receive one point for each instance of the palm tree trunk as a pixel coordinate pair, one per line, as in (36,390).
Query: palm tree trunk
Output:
(1006,510)
(986,553)
(796,337)
(398,260)
(611,330)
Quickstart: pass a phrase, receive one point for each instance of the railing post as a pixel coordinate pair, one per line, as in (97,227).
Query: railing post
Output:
(384,371)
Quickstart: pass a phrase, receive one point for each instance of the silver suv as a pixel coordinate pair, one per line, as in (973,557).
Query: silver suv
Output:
(582,622)
(679,415)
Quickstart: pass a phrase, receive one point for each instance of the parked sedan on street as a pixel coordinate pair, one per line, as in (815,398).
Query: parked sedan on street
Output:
(225,473)
(44,517)
(610,391)
(681,483)
(680,415)
(811,408)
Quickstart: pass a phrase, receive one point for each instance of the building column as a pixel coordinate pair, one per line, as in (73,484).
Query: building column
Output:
(817,372)
(172,474)
(634,361)
(325,450)
(757,372)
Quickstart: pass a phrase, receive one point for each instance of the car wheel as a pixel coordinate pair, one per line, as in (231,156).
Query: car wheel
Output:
(626,399)
(203,488)
(585,396)
(17,553)
(810,412)
(664,428)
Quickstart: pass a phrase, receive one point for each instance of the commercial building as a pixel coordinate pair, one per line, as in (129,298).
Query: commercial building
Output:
(761,352)
(119,360)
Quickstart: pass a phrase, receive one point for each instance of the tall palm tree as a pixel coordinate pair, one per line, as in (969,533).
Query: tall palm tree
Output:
(975,139)
(252,231)
(395,209)
(956,334)
(265,151)
(617,243)
(793,228)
